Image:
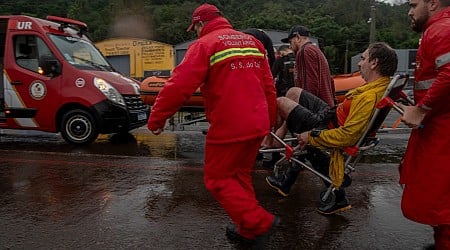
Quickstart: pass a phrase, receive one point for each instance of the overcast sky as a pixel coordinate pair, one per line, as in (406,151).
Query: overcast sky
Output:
(394,1)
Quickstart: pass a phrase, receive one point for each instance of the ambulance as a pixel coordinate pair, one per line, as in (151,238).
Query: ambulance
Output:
(54,79)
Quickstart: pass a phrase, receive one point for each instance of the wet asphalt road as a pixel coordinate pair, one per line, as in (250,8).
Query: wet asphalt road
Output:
(146,192)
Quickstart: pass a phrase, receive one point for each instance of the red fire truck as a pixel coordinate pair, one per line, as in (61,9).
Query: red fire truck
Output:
(55,80)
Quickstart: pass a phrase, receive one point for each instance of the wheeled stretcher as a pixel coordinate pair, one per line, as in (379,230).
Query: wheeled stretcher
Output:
(291,153)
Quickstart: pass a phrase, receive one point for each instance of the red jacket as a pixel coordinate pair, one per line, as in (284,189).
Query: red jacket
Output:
(425,170)
(234,76)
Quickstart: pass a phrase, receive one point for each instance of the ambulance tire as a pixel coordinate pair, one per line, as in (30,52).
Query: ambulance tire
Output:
(78,127)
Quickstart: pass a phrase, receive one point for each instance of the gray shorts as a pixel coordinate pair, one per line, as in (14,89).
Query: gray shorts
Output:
(311,113)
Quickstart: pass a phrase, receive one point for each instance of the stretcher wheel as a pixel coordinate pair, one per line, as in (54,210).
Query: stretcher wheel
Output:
(330,199)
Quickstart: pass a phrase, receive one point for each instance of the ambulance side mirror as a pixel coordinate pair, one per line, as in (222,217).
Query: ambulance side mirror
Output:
(49,66)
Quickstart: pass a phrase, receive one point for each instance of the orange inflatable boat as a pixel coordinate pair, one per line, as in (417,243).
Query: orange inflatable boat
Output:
(345,82)
(151,86)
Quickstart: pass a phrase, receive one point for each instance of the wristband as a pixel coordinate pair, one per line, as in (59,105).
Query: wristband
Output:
(315,132)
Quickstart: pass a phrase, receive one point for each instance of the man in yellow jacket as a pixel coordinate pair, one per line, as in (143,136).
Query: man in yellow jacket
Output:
(345,124)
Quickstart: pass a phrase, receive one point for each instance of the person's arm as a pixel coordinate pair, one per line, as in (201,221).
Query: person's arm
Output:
(310,69)
(439,91)
(312,72)
(270,92)
(277,67)
(185,80)
(361,111)
(412,115)
(437,95)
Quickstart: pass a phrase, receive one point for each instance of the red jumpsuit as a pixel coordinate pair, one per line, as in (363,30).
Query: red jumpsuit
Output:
(234,76)
(425,169)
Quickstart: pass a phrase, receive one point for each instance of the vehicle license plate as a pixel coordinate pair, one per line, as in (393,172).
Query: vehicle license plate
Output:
(141,116)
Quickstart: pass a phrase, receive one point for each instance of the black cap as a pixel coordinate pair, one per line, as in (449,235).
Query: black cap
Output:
(296,30)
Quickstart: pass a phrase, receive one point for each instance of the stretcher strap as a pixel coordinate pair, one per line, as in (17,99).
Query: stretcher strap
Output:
(352,151)
(289,152)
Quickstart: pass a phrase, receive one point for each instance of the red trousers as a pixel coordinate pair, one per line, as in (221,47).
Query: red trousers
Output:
(228,176)
(442,237)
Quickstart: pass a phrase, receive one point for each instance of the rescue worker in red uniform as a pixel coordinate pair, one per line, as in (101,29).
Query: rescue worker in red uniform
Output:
(232,70)
(425,168)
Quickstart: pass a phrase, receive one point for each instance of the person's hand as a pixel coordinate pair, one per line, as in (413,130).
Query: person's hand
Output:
(303,139)
(267,141)
(157,131)
(412,115)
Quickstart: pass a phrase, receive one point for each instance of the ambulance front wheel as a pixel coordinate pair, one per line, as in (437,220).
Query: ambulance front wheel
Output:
(78,127)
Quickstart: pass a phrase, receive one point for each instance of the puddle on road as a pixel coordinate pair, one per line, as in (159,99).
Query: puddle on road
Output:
(169,144)
(164,203)
(382,158)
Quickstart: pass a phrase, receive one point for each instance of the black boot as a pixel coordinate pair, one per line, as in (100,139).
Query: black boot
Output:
(340,203)
(271,163)
(319,160)
(233,234)
(284,186)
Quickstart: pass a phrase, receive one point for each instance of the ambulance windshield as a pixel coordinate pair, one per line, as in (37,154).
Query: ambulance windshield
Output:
(80,53)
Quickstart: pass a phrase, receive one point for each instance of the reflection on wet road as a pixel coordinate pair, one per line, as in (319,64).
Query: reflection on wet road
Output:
(146,192)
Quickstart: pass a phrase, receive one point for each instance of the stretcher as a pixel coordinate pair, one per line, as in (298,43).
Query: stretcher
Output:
(291,152)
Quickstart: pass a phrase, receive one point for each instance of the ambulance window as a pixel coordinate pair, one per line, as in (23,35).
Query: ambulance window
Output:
(80,53)
(27,51)
(2,42)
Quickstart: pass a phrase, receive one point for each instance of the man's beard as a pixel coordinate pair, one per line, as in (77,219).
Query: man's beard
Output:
(418,25)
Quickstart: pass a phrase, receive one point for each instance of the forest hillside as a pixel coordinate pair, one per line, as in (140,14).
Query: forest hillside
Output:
(343,25)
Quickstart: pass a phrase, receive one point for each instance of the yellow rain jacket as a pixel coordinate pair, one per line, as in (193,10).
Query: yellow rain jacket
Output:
(362,107)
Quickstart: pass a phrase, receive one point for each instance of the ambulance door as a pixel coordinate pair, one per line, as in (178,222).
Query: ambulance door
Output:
(3,25)
(28,87)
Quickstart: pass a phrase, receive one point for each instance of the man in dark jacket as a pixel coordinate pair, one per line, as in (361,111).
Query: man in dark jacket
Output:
(283,70)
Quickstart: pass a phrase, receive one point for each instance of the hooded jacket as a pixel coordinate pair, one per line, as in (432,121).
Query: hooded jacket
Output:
(425,169)
(363,101)
(232,71)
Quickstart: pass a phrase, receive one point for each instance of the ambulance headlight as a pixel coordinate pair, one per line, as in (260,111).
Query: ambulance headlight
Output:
(109,91)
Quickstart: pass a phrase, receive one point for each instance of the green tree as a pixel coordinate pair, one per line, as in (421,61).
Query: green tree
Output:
(341,24)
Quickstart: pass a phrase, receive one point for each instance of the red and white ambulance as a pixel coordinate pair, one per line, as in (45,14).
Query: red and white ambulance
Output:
(55,80)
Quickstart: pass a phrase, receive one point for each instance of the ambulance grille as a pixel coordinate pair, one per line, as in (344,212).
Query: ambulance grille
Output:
(134,102)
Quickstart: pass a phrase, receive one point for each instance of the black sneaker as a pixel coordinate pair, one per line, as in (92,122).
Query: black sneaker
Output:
(261,240)
(277,185)
(335,207)
(233,234)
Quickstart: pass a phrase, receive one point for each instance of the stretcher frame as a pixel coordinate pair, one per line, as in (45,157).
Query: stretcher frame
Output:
(367,141)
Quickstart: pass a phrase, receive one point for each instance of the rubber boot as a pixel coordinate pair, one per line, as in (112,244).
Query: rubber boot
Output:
(271,163)
(339,205)
(320,161)
(284,186)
